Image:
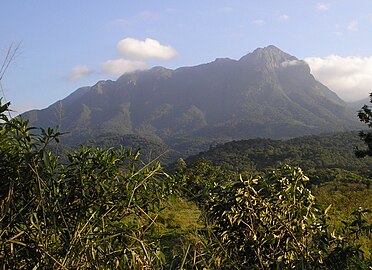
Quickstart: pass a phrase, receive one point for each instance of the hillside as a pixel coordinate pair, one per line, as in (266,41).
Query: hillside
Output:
(267,93)
(329,151)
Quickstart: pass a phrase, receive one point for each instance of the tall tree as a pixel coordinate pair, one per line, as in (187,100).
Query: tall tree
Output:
(365,116)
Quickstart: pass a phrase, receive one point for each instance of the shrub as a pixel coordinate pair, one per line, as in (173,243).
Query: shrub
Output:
(273,222)
(97,211)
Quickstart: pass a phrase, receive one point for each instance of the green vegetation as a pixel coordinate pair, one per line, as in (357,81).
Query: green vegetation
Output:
(365,116)
(232,200)
(272,222)
(317,151)
(98,210)
(106,209)
(323,157)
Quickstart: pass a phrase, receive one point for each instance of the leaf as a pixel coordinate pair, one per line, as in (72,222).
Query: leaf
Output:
(327,209)
(46,159)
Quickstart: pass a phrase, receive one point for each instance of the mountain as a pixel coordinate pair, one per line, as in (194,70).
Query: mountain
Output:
(266,93)
(357,105)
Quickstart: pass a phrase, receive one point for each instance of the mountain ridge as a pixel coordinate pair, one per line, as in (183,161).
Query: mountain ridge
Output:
(266,93)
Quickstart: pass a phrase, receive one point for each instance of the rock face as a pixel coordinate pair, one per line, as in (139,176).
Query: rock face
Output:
(267,93)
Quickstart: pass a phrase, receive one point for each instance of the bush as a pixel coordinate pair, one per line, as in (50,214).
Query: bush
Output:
(273,222)
(97,211)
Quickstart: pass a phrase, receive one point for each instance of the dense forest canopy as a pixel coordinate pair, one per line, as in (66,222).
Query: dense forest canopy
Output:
(318,155)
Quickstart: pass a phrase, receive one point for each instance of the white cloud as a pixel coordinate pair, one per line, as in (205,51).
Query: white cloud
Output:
(149,48)
(291,63)
(353,26)
(259,22)
(121,66)
(284,17)
(322,7)
(350,77)
(78,72)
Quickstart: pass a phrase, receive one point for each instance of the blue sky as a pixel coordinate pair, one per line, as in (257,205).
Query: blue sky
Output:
(69,44)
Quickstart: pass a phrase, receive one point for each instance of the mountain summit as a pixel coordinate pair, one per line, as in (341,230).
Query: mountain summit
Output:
(270,56)
(266,93)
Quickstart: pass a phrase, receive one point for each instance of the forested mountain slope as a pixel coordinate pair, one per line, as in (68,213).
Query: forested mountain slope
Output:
(316,151)
(267,93)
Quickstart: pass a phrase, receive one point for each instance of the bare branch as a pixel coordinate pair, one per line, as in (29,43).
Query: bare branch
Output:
(10,56)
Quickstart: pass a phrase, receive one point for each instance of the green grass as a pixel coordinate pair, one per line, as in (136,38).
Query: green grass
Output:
(180,215)
(177,224)
(345,198)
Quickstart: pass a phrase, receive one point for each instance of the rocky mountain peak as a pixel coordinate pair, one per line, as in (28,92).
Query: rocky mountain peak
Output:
(270,57)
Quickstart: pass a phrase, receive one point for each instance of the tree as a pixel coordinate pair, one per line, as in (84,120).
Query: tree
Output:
(365,116)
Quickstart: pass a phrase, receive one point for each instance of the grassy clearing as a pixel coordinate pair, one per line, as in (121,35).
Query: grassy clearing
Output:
(346,198)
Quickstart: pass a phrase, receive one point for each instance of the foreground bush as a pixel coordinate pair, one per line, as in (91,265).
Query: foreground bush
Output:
(273,222)
(97,211)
